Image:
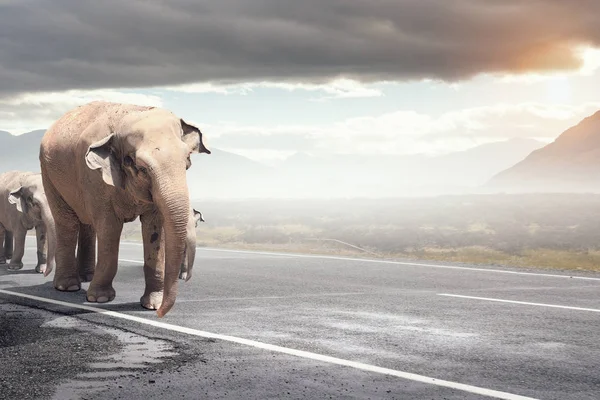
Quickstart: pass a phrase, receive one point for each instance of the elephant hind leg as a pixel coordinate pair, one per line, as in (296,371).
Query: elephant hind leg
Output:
(3,253)
(86,252)
(8,244)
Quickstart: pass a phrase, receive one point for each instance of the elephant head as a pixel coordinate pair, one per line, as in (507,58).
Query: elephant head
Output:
(197,217)
(147,155)
(30,200)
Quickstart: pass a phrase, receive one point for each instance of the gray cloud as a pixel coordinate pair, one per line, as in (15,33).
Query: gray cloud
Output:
(68,44)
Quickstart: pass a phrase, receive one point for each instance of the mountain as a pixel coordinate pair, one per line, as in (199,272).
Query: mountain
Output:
(225,175)
(569,164)
(475,166)
(303,175)
(20,152)
(222,174)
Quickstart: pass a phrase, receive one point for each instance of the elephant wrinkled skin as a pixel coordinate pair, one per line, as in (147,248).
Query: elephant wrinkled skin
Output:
(23,206)
(104,164)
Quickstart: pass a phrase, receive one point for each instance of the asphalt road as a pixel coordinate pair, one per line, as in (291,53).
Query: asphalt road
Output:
(271,326)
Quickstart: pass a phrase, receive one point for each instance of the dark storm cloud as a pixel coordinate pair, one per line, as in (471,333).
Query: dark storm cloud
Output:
(67,44)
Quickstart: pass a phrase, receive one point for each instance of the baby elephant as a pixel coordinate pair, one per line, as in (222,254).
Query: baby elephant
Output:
(23,206)
(185,272)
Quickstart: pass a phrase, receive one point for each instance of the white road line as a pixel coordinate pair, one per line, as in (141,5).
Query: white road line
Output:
(520,302)
(299,296)
(131,261)
(283,350)
(368,260)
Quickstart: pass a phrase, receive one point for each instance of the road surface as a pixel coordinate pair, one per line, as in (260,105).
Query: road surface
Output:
(257,325)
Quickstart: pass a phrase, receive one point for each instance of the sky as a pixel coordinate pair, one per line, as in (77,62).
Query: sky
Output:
(269,78)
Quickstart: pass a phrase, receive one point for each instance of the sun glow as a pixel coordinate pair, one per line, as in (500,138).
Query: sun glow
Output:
(591,60)
(590,64)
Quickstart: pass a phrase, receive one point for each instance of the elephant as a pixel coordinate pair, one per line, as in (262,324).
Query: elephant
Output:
(23,206)
(104,164)
(195,217)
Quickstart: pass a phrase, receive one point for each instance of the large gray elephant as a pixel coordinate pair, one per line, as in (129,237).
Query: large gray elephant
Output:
(185,270)
(23,206)
(104,164)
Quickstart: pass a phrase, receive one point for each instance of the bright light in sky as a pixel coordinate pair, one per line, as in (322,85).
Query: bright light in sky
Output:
(591,60)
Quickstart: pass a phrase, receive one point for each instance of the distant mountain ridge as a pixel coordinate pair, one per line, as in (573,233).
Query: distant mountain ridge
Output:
(569,164)
(20,151)
(227,175)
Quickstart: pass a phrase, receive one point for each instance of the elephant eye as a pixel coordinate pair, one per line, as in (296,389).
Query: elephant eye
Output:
(128,161)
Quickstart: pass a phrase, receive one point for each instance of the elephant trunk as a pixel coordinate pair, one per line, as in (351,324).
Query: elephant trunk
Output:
(172,199)
(48,220)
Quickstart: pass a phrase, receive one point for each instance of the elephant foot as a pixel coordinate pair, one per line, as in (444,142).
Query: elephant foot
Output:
(15,266)
(40,268)
(67,284)
(86,277)
(100,294)
(152,300)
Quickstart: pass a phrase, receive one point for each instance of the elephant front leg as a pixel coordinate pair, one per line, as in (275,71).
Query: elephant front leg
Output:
(16,261)
(40,234)
(109,235)
(154,260)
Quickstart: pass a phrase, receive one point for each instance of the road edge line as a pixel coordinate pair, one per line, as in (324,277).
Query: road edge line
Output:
(389,262)
(527,303)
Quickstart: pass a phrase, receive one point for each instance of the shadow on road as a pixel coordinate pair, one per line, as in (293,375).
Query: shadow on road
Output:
(22,272)
(48,291)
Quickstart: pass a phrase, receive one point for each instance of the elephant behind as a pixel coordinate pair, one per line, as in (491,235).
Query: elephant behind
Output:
(104,164)
(23,206)
(185,270)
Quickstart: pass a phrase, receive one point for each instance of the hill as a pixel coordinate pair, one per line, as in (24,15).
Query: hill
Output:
(20,152)
(225,175)
(569,164)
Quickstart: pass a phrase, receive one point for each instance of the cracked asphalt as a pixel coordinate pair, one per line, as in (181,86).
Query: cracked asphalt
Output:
(533,334)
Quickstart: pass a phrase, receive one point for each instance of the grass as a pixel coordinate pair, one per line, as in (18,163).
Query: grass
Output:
(541,258)
(552,231)
(532,258)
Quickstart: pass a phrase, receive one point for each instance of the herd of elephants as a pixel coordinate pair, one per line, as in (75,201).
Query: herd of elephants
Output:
(103,164)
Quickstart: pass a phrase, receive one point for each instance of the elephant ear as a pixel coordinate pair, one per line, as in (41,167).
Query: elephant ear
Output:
(15,196)
(100,156)
(198,217)
(193,138)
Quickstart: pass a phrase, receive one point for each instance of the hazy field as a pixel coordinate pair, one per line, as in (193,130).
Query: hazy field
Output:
(550,230)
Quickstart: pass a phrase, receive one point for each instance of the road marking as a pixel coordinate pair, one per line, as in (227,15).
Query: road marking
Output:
(131,261)
(279,349)
(299,296)
(500,271)
(520,302)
